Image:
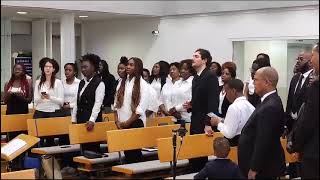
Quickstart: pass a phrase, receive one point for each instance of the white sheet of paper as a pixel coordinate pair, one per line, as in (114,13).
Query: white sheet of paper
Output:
(12,146)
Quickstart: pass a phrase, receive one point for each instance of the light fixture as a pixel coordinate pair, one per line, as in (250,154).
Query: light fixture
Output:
(83,16)
(21,12)
(155,32)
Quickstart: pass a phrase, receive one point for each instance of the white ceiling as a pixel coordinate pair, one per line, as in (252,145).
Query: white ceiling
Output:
(102,10)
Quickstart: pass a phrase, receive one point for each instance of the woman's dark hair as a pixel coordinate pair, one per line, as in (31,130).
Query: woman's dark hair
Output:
(232,67)
(265,58)
(74,67)
(24,81)
(205,54)
(136,95)
(176,64)
(188,62)
(93,60)
(163,74)
(105,68)
(43,76)
(146,70)
(123,60)
(218,72)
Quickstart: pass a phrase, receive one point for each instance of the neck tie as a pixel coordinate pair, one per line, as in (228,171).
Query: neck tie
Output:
(299,85)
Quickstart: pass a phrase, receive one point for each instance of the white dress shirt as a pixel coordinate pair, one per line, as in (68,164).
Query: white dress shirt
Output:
(156,85)
(56,96)
(221,99)
(71,91)
(99,96)
(267,94)
(124,113)
(305,75)
(182,94)
(237,116)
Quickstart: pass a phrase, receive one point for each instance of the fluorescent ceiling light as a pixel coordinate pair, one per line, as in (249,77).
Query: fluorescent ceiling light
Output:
(83,16)
(21,12)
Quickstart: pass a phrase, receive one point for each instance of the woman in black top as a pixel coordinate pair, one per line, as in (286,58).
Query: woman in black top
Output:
(109,82)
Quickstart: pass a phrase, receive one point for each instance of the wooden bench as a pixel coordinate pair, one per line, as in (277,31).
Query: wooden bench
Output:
(158,121)
(3,109)
(108,117)
(23,174)
(78,134)
(17,122)
(289,157)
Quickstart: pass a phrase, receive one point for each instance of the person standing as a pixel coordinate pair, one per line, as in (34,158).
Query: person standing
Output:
(204,100)
(260,154)
(88,108)
(109,82)
(306,133)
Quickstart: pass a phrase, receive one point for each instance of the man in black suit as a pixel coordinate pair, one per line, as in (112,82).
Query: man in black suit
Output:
(204,100)
(260,153)
(296,96)
(306,132)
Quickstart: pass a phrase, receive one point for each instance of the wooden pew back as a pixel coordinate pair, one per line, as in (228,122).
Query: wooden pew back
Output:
(289,157)
(3,109)
(158,121)
(23,174)
(14,122)
(193,146)
(48,126)
(78,133)
(108,117)
(136,138)
(233,154)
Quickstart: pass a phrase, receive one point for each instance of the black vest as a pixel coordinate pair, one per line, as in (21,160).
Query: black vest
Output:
(86,101)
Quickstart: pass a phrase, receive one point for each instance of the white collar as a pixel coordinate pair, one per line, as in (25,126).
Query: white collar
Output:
(306,74)
(190,78)
(201,70)
(267,94)
(239,99)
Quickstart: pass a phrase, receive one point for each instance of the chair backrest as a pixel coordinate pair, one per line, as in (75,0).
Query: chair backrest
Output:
(48,126)
(136,138)
(14,122)
(3,109)
(193,146)
(158,121)
(23,174)
(108,117)
(289,157)
(78,133)
(233,154)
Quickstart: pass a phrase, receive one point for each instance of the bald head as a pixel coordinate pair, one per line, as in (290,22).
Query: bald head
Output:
(269,74)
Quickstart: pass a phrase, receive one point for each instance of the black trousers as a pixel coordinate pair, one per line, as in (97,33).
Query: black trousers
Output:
(47,141)
(133,156)
(310,168)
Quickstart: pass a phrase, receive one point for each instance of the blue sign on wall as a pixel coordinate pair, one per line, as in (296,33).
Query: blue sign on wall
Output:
(27,62)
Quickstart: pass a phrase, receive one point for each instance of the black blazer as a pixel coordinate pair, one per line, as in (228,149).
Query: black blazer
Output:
(306,132)
(220,169)
(110,83)
(225,104)
(205,99)
(259,145)
(295,101)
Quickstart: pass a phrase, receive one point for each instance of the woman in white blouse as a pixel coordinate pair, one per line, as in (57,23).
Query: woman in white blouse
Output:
(48,94)
(167,101)
(183,92)
(159,75)
(131,103)
(70,85)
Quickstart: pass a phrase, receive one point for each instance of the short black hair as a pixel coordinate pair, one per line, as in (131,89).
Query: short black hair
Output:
(176,64)
(93,60)
(205,54)
(105,67)
(123,60)
(221,147)
(265,59)
(74,66)
(188,62)
(236,84)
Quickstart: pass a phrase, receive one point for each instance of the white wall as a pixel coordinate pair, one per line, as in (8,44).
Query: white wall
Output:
(181,35)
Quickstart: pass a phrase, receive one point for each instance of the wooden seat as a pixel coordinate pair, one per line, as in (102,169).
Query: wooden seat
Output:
(23,174)
(48,126)
(16,122)
(108,117)
(289,157)
(158,121)
(233,154)
(56,149)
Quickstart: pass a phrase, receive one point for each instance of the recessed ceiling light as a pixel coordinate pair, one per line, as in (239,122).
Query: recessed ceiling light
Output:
(83,16)
(21,12)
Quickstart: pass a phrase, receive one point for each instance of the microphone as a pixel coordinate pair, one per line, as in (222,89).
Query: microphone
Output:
(182,131)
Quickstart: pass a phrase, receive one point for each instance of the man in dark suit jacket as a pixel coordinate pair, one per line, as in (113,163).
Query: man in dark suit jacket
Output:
(306,132)
(260,154)
(296,96)
(204,100)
